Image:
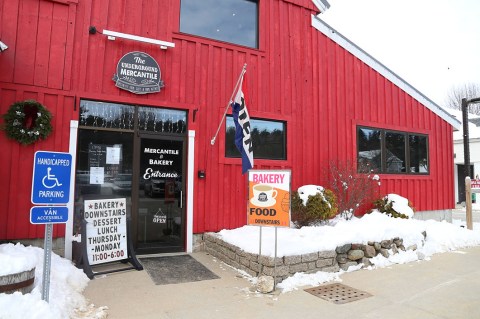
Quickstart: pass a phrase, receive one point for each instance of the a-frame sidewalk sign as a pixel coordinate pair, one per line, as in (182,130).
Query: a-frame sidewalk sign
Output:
(106,236)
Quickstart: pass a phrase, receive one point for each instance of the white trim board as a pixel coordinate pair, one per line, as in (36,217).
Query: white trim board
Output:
(322,5)
(190,191)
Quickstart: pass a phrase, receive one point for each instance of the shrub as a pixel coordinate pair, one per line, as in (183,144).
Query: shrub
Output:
(353,189)
(386,205)
(318,209)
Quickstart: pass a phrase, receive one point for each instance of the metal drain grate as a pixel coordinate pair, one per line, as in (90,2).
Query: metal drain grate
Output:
(338,293)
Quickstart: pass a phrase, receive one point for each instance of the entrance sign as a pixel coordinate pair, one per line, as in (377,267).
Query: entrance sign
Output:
(51,178)
(138,73)
(48,214)
(106,238)
(269,198)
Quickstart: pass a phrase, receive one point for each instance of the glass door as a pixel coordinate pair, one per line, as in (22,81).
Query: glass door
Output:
(161,213)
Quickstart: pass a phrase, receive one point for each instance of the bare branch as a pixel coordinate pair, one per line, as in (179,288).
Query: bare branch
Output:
(468,91)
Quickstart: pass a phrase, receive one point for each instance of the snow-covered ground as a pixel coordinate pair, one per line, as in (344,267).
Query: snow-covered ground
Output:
(68,282)
(66,286)
(441,237)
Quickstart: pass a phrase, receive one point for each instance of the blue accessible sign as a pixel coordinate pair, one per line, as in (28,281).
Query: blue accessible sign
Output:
(48,214)
(51,178)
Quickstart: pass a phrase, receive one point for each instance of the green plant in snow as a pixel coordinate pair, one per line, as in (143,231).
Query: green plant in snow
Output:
(318,209)
(385,206)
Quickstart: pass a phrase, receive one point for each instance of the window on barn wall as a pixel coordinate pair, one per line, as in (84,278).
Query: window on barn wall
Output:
(268,139)
(418,145)
(369,150)
(234,21)
(395,152)
(383,151)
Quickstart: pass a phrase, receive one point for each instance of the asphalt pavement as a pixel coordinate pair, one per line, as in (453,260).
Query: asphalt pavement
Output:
(446,286)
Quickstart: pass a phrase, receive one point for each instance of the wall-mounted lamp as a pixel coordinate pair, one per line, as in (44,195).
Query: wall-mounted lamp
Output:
(112,35)
(3,46)
(201,174)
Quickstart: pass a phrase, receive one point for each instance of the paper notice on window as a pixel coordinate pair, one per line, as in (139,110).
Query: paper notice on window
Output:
(113,155)
(97,175)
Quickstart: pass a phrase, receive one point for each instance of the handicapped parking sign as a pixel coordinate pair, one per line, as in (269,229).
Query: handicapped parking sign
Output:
(51,178)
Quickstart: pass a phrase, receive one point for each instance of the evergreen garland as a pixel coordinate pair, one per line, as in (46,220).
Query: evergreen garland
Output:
(27,122)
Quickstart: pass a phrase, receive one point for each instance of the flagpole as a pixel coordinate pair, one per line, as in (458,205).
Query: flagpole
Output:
(244,69)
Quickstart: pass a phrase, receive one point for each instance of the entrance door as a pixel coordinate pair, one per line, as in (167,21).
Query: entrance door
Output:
(161,213)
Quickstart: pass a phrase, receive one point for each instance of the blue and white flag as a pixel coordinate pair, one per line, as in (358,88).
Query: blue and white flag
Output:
(243,137)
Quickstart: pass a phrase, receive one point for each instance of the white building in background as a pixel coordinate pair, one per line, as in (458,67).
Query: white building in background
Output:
(474,137)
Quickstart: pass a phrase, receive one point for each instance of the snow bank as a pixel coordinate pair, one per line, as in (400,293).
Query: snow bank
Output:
(15,260)
(400,204)
(371,227)
(441,237)
(66,285)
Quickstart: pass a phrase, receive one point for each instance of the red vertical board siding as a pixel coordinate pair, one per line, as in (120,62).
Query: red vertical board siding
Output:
(26,41)
(58,46)
(373,96)
(298,75)
(43,51)
(69,47)
(8,23)
(7,98)
(18,163)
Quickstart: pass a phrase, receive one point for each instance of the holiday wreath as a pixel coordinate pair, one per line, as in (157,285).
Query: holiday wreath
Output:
(27,122)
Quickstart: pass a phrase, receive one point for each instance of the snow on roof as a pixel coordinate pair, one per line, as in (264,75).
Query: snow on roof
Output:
(342,41)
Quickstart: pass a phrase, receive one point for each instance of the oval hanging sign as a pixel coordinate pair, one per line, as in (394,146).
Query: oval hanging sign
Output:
(138,73)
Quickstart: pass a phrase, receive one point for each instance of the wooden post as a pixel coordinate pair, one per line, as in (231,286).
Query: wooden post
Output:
(468,201)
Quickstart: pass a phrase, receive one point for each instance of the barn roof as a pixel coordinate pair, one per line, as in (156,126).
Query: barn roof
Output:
(322,5)
(342,41)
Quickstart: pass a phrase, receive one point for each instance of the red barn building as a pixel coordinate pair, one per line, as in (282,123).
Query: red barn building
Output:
(137,89)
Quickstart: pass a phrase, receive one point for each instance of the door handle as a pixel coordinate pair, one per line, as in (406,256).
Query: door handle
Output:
(181,199)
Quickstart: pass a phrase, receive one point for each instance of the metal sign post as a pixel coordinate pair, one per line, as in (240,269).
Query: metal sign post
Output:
(468,202)
(275,262)
(269,204)
(50,186)
(47,260)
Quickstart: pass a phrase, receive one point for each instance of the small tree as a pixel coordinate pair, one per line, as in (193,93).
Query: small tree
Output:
(352,189)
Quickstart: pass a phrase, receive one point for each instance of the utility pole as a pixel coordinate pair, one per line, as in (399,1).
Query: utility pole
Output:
(466,142)
(466,151)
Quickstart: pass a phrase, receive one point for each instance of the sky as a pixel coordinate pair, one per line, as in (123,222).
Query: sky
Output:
(434,45)
(68,282)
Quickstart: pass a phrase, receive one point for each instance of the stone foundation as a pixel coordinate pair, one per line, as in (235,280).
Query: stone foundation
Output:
(438,215)
(329,261)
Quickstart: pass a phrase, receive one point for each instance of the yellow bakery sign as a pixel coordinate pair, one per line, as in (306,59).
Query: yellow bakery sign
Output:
(269,198)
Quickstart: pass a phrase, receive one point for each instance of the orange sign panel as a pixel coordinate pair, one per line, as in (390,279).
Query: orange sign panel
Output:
(269,198)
